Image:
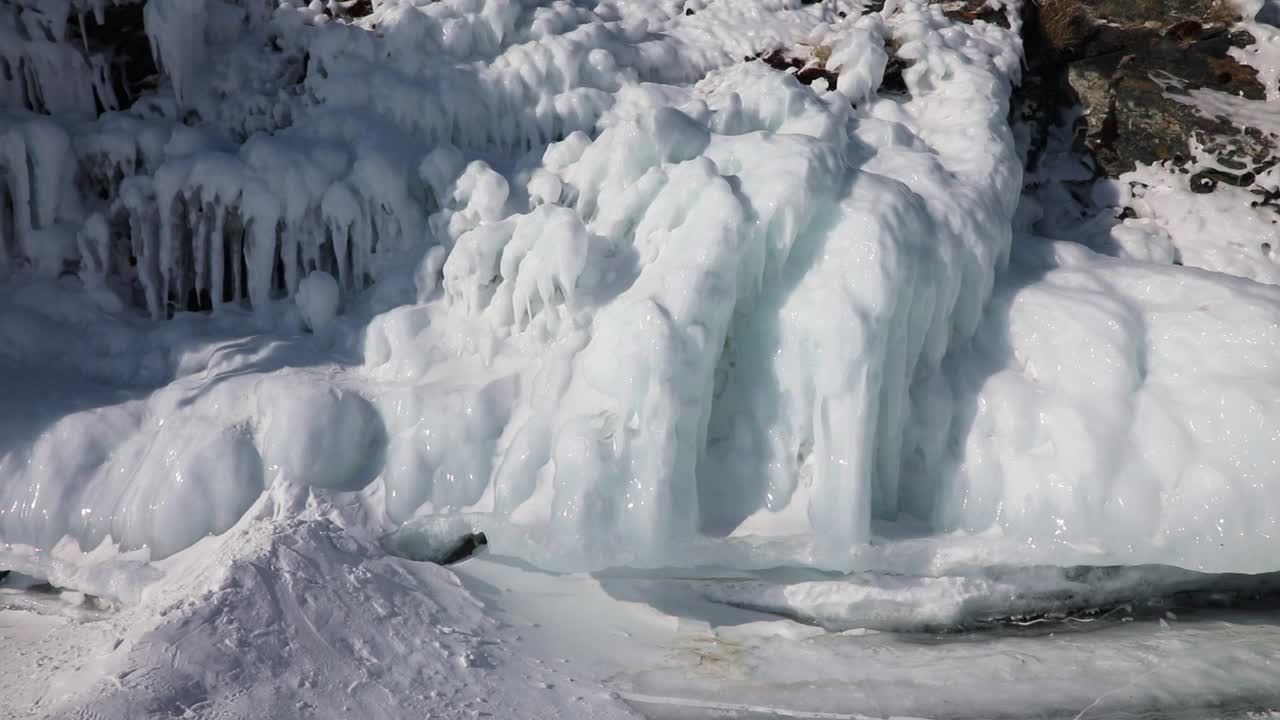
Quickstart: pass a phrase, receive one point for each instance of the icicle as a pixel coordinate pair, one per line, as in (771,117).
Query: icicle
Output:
(6,225)
(289,244)
(31,86)
(57,12)
(200,241)
(143,232)
(181,279)
(260,254)
(167,248)
(37,155)
(197,220)
(237,269)
(362,244)
(102,86)
(311,255)
(93,242)
(176,31)
(15,159)
(341,211)
(341,236)
(84,34)
(10,85)
(216,244)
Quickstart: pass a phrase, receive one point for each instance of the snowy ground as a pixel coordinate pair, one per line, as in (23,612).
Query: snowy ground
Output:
(773,399)
(299,618)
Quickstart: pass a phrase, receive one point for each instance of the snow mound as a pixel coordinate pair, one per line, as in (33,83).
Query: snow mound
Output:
(295,613)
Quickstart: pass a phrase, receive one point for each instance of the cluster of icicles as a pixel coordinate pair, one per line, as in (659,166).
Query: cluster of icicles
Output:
(201,229)
(178,217)
(181,219)
(43,69)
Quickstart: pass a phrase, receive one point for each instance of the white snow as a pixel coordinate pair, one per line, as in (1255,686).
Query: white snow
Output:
(292,614)
(587,281)
(1260,18)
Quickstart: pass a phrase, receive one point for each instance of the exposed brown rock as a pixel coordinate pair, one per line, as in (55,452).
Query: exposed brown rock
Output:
(1132,66)
(812,66)
(1137,108)
(971,11)
(358,8)
(806,70)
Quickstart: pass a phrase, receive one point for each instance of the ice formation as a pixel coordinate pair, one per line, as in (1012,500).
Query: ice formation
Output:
(1097,414)
(669,258)
(602,283)
(44,72)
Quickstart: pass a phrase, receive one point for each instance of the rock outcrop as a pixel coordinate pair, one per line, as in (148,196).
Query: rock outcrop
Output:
(1156,82)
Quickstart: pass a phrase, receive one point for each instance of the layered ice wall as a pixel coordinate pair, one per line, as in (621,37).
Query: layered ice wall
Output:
(739,291)
(587,275)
